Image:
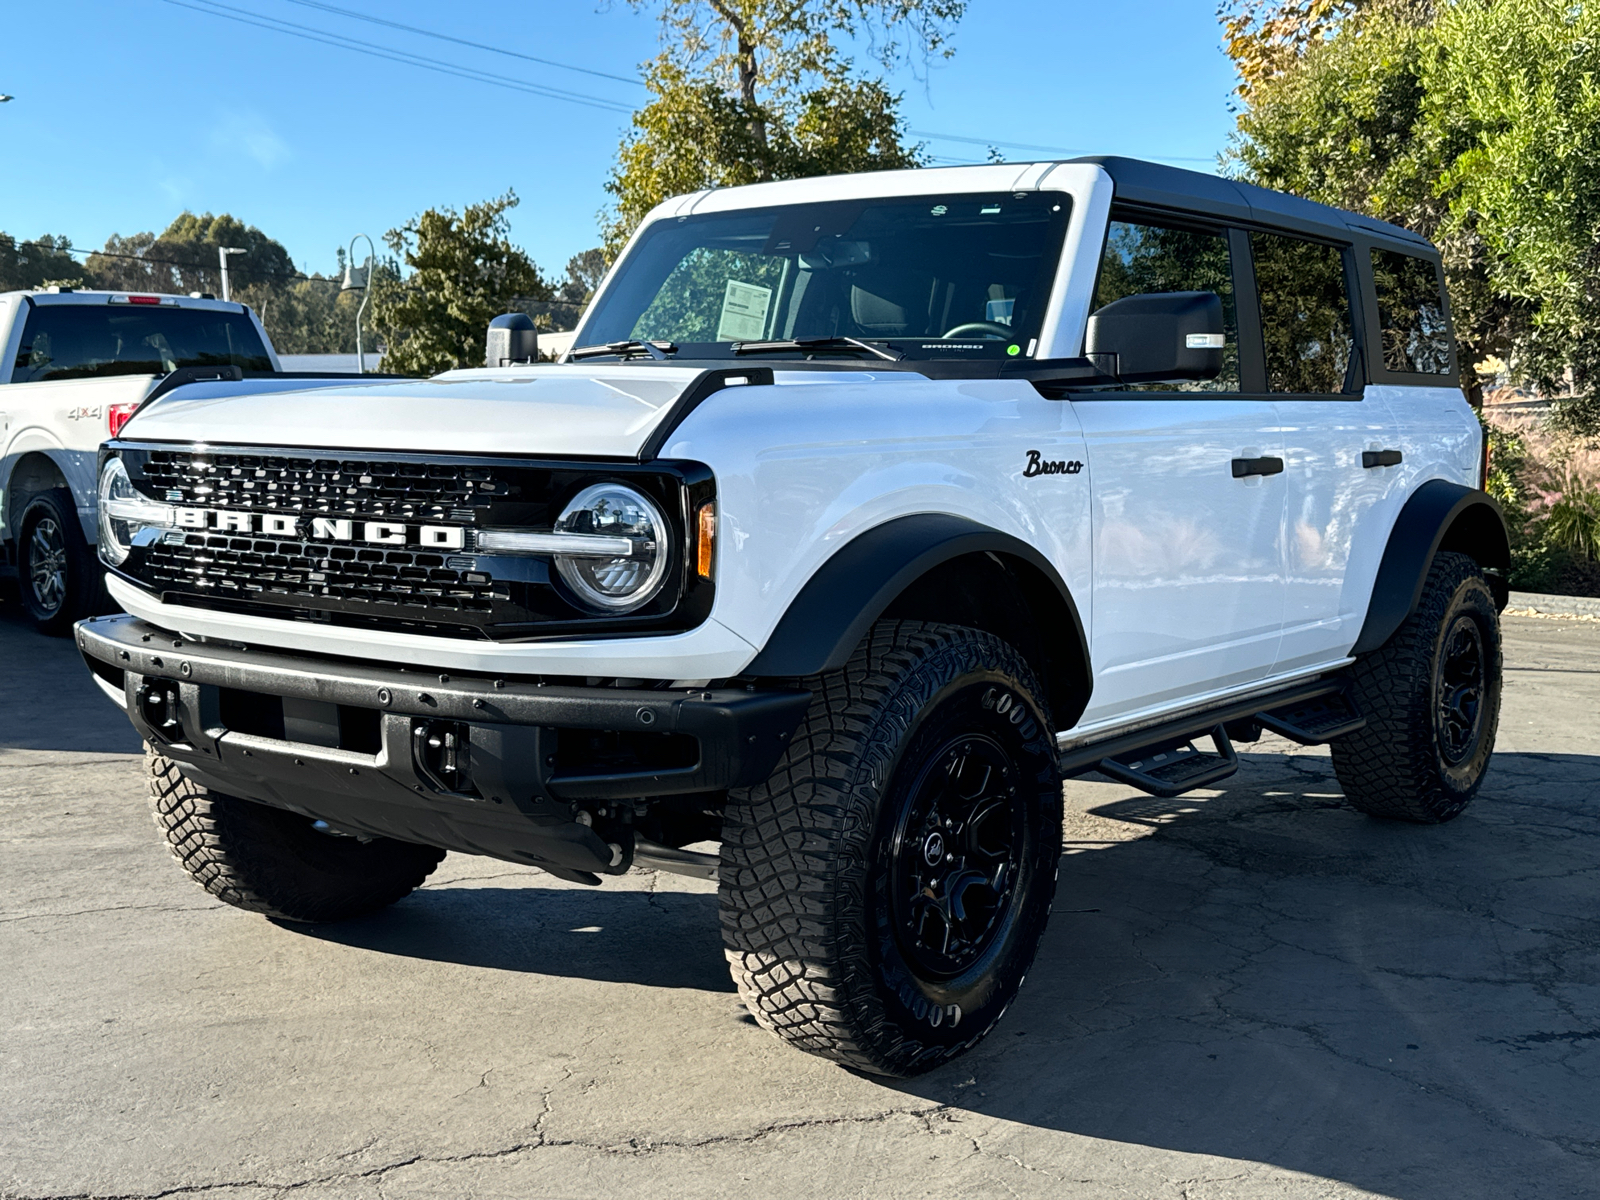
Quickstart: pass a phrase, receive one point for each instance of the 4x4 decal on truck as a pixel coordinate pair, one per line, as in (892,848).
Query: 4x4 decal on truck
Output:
(1038,466)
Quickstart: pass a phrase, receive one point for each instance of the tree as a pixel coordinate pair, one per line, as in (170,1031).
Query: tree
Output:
(584,272)
(1518,81)
(184,257)
(1268,38)
(464,271)
(1347,120)
(1476,123)
(38,263)
(753,90)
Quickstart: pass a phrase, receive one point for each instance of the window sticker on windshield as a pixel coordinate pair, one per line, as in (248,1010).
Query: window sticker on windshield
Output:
(744,312)
(999,311)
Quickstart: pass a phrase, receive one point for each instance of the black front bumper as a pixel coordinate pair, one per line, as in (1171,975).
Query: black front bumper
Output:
(349,742)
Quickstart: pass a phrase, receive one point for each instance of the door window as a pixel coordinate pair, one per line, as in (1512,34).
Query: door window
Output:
(1416,336)
(1305,314)
(1153,258)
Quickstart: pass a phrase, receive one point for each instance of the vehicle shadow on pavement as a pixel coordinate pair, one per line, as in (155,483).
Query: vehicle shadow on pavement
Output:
(1269,976)
(666,939)
(54,682)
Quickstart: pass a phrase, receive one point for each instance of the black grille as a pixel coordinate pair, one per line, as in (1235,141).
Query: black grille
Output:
(257,569)
(305,573)
(418,491)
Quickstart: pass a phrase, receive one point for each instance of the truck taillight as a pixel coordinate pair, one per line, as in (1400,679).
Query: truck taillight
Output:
(117,416)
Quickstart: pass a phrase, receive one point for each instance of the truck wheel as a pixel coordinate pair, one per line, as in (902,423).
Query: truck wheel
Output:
(884,892)
(59,578)
(270,861)
(1432,699)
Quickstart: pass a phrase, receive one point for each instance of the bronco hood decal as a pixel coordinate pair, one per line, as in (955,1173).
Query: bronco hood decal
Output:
(580,410)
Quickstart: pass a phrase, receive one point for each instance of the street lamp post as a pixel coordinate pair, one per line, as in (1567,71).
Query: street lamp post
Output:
(222,255)
(359,279)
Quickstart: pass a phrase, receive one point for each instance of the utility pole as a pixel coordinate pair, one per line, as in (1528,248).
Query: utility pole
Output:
(222,255)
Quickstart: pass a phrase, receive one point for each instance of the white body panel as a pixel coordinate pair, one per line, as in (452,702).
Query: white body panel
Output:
(1188,562)
(602,411)
(1337,521)
(1437,431)
(711,651)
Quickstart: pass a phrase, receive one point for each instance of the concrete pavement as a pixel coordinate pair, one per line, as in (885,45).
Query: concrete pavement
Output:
(1249,992)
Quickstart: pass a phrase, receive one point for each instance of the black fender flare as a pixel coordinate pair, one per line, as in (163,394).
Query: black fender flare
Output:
(833,611)
(1438,516)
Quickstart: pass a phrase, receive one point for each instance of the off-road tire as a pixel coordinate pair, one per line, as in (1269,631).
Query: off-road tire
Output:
(808,857)
(270,861)
(50,536)
(1416,759)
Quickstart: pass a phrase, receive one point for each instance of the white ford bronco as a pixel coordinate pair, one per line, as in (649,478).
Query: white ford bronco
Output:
(864,511)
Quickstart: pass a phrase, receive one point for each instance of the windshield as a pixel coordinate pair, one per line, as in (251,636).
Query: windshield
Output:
(83,341)
(956,276)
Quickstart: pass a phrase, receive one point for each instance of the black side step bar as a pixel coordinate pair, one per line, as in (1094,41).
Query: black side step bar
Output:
(1174,766)
(1315,721)
(1163,760)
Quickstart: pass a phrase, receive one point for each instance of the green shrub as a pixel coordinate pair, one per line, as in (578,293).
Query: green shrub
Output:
(1573,523)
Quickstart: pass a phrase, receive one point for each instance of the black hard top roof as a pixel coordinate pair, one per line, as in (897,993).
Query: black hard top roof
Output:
(1158,186)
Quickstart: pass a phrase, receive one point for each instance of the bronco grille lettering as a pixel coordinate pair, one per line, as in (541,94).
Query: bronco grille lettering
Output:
(327,529)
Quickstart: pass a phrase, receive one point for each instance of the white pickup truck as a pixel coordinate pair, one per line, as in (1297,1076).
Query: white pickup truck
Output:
(74,366)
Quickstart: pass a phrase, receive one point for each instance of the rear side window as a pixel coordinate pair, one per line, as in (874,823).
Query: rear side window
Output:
(1416,336)
(1305,314)
(1154,258)
(86,341)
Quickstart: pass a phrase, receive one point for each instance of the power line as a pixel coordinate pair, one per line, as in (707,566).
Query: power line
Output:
(445,37)
(259,276)
(977,141)
(275,25)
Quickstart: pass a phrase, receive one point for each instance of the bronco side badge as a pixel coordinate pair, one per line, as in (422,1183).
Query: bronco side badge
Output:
(1037,466)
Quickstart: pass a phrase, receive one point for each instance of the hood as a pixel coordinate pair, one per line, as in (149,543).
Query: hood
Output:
(606,411)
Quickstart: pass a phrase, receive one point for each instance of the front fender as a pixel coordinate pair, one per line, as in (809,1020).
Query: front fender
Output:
(839,603)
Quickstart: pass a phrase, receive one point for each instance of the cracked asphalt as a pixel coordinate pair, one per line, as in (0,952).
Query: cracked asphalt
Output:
(1249,992)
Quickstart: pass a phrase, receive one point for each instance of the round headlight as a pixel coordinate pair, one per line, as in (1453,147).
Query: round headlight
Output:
(116,535)
(124,512)
(615,583)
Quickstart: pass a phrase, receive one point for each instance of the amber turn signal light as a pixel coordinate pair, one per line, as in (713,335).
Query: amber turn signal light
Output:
(705,539)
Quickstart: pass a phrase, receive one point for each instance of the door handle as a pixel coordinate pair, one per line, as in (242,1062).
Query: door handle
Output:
(1381,458)
(1256,466)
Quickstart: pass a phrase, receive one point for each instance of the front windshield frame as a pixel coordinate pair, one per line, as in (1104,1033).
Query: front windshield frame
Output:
(773,255)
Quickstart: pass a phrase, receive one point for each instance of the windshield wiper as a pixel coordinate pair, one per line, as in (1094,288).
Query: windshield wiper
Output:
(816,343)
(631,348)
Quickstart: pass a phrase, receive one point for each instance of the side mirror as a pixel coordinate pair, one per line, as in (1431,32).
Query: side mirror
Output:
(512,339)
(1158,337)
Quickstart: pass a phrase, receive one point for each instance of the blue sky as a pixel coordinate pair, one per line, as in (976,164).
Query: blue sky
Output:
(129,111)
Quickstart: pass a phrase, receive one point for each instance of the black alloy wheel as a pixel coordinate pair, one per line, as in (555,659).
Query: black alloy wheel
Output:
(1459,680)
(956,855)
